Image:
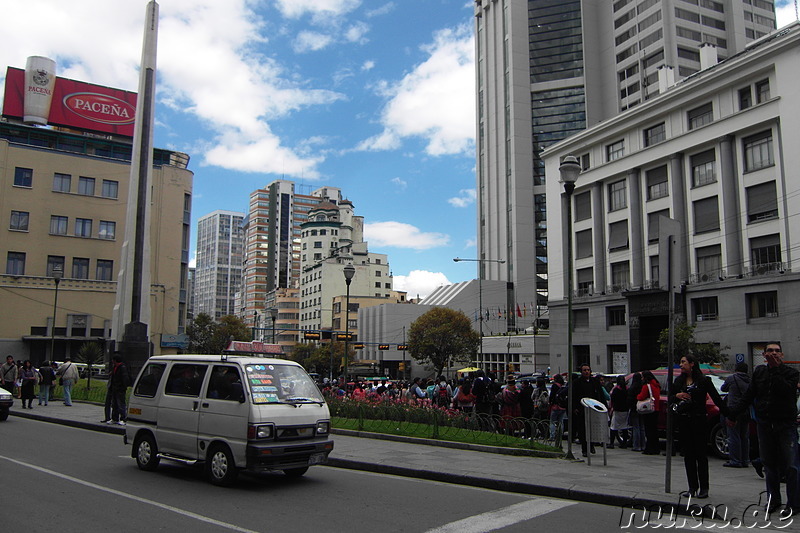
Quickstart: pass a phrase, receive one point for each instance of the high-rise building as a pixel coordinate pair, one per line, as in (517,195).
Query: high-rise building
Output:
(547,69)
(272,241)
(220,254)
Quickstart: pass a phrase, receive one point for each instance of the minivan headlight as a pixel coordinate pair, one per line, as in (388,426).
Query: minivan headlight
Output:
(323,428)
(266,431)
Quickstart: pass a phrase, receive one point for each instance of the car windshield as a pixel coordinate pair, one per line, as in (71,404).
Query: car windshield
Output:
(271,383)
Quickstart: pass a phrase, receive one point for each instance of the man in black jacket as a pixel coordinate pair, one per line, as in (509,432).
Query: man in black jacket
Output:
(584,387)
(118,383)
(774,389)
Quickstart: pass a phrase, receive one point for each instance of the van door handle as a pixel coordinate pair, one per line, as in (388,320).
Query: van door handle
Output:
(205,405)
(194,406)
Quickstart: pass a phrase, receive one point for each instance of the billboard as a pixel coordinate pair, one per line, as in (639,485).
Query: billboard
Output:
(75,104)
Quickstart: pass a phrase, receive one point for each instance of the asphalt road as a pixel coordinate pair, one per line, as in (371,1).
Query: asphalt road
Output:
(58,478)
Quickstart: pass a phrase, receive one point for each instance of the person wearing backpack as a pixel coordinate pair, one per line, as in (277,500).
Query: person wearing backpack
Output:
(541,400)
(443,393)
(558,407)
(736,386)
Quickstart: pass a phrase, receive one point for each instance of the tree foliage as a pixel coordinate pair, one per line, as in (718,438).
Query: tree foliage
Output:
(208,336)
(317,358)
(91,354)
(442,337)
(711,353)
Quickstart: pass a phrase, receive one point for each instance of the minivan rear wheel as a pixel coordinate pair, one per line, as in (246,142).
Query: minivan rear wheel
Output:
(296,472)
(719,440)
(146,452)
(220,466)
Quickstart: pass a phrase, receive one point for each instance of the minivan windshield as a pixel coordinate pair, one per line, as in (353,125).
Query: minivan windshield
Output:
(271,383)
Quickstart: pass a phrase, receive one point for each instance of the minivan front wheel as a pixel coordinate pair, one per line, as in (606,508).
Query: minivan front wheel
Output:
(719,440)
(220,466)
(146,452)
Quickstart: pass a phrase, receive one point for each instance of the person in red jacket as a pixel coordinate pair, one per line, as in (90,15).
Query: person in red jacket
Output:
(650,387)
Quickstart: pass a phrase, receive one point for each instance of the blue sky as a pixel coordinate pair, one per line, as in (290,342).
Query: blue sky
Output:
(372,96)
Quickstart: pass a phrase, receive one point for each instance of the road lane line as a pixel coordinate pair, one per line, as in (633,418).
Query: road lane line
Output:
(507,516)
(139,499)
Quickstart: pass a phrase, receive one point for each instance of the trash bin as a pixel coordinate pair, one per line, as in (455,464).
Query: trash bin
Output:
(596,419)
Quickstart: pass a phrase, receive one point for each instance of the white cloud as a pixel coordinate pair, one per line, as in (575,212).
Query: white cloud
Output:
(208,68)
(316,8)
(419,283)
(785,14)
(465,198)
(356,33)
(435,101)
(400,182)
(368,65)
(310,41)
(401,235)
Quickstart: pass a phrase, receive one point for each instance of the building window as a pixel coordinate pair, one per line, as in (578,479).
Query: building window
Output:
(110,189)
(377,273)
(580,318)
(617,195)
(620,275)
(585,162)
(615,150)
(317,244)
(700,116)
(653,224)
(762,91)
(762,304)
(585,281)
(745,98)
(58,225)
(54,262)
(618,236)
(703,168)
(705,309)
(83,227)
(706,215)
(762,202)
(15,263)
(583,244)
(583,206)
(80,268)
(105,269)
(655,135)
(657,186)
(61,182)
(654,268)
(615,315)
(766,252)
(108,229)
(86,186)
(709,262)
(19,220)
(23,177)
(758,151)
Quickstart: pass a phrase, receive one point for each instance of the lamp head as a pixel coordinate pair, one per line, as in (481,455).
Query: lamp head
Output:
(349,271)
(58,273)
(272,312)
(569,169)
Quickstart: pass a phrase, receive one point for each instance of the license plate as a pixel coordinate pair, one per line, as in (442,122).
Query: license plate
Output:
(317,459)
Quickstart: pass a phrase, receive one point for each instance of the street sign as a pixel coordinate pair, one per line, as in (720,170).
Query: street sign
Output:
(740,358)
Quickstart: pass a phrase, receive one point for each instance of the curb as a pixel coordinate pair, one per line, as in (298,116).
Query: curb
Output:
(101,428)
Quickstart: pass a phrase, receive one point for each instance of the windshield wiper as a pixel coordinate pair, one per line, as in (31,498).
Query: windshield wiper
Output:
(304,399)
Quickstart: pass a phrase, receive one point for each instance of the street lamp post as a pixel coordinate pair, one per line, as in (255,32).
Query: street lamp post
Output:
(480,292)
(255,326)
(57,274)
(569,169)
(273,314)
(349,271)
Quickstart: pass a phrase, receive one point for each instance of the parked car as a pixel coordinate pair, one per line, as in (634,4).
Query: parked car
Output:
(6,401)
(717,435)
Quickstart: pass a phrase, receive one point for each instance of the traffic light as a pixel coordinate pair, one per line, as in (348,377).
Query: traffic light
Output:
(358,346)
(344,336)
(402,347)
(311,335)
(401,366)
(383,346)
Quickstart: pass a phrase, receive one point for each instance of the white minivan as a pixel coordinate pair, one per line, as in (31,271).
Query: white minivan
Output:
(229,413)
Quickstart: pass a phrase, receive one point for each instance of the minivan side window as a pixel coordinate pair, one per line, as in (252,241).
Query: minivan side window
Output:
(225,384)
(148,382)
(185,379)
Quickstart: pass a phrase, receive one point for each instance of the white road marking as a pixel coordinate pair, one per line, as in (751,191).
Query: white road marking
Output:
(504,517)
(115,492)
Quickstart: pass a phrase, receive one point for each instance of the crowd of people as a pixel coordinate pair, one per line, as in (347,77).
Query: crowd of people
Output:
(28,383)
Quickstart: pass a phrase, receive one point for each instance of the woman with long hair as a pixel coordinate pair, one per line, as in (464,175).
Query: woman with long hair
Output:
(635,421)
(619,413)
(688,396)
(650,387)
(29,377)
(557,410)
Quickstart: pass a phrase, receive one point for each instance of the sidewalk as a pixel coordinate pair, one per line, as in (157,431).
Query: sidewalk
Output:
(630,479)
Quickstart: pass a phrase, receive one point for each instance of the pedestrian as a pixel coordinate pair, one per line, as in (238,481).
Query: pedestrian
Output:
(688,395)
(68,373)
(619,414)
(773,391)
(443,393)
(28,377)
(48,378)
(484,396)
(584,387)
(119,381)
(465,400)
(54,365)
(651,388)
(8,374)
(508,398)
(634,419)
(739,434)
(558,405)
(415,392)
(526,408)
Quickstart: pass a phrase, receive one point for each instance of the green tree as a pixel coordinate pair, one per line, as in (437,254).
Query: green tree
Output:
(229,327)
(201,333)
(441,337)
(711,353)
(89,353)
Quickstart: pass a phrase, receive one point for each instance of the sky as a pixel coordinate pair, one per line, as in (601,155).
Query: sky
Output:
(375,97)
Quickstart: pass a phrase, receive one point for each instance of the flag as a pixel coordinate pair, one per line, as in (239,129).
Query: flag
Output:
(519,313)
